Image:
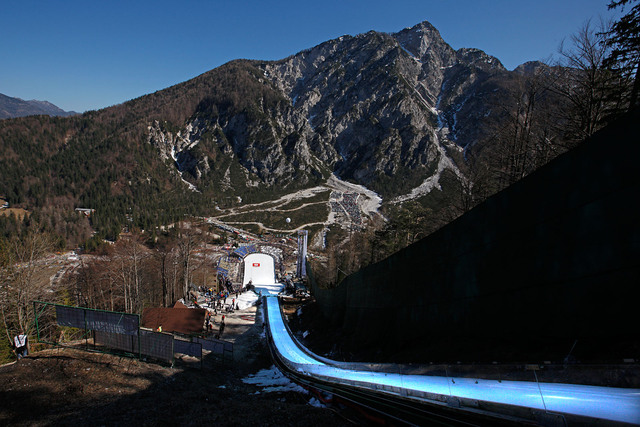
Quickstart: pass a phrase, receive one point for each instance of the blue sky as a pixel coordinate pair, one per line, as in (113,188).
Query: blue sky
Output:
(83,55)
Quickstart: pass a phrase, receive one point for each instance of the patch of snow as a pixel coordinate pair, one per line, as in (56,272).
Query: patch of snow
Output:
(273,380)
(190,185)
(415,58)
(434,180)
(246,300)
(316,403)
(226,180)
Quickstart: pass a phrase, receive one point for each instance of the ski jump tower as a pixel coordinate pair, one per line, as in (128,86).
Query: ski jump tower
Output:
(301,270)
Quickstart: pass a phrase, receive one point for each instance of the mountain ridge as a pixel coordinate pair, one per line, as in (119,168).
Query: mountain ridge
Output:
(11,107)
(320,81)
(395,113)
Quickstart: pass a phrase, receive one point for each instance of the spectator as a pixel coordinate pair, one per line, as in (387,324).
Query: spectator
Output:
(21,344)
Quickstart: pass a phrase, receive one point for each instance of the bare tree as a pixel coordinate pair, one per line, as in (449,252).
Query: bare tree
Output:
(22,281)
(523,136)
(590,91)
(475,185)
(164,253)
(187,241)
(129,255)
(94,284)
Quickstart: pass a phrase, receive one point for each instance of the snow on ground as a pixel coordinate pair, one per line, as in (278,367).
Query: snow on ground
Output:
(246,300)
(249,299)
(190,185)
(409,53)
(433,181)
(315,402)
(369,203)
(272,380)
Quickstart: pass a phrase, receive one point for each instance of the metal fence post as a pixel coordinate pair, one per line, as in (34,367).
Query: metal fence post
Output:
(35,313)
(139,341)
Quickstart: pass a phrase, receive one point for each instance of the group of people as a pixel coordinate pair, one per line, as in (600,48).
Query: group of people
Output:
(219,303)
(218,300)
(209,321)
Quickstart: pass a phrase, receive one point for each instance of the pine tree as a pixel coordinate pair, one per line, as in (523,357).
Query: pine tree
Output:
(624,38)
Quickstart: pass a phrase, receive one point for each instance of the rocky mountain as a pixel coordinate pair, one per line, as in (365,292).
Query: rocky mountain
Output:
(392,112)
(389,111)
(16,107)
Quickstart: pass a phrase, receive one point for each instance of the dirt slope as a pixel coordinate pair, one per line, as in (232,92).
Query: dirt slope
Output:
(73,387)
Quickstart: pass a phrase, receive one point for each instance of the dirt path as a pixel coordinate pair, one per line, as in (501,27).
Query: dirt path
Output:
(302,194)
(274,208)
(368,202)
(277,230)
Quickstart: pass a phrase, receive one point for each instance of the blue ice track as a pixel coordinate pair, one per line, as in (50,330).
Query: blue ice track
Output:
(600,403)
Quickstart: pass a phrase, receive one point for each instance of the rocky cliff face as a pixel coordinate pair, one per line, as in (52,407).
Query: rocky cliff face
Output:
(177,147)
(389,111)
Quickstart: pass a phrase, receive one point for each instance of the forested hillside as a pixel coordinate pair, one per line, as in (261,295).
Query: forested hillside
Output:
(101,160)
(403,114)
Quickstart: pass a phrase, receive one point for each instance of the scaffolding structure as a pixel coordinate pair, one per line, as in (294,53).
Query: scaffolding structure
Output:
(301,270)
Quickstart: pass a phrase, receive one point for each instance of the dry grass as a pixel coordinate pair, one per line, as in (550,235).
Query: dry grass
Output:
(18,212)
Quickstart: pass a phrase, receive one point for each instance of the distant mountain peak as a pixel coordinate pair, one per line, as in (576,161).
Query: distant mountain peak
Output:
(15,107)
(424,27)
(420,39)
(530,67)
(479,58)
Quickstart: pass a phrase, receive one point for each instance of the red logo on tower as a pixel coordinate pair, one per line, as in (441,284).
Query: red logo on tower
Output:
(256,264)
